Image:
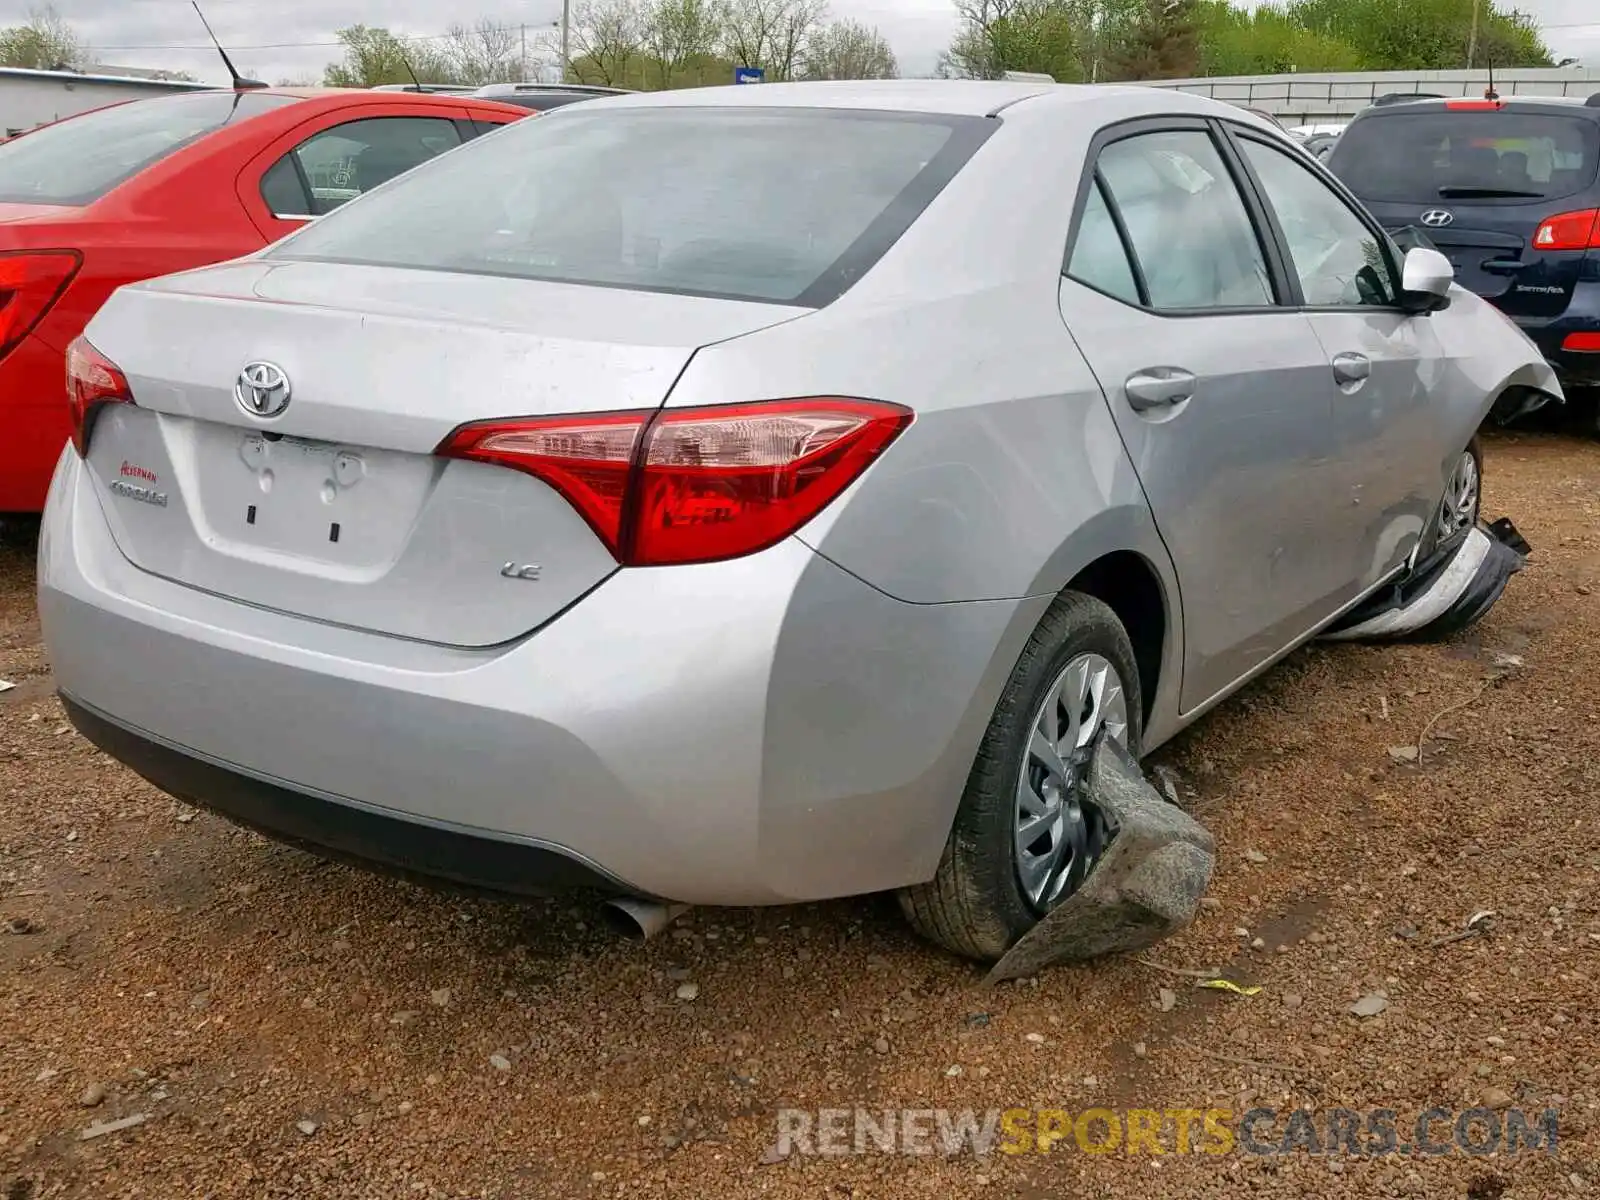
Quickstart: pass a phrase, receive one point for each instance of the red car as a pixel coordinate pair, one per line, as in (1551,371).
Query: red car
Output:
(154,186)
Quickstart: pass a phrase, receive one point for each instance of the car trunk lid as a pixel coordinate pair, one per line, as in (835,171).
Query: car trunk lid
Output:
(1492,252)
(336,508)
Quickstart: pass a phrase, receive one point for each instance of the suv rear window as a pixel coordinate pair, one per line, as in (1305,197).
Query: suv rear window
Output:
(80,159)
(781,205)
(1435,154)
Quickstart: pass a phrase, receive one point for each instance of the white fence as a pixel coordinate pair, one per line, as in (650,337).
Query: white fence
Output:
(1299,99)
(29,98)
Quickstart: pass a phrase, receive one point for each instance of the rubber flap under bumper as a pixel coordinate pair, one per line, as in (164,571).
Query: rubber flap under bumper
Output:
(1447,592)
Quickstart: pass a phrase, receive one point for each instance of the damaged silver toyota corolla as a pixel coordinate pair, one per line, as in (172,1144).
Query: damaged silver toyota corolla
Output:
(754,495)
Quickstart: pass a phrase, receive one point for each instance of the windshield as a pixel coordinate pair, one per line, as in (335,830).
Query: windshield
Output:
(1419,157)
(780,205)
(80,159)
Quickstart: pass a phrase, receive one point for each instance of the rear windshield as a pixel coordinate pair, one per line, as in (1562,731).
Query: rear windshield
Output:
(80,159)
(770,204)
(1439,154)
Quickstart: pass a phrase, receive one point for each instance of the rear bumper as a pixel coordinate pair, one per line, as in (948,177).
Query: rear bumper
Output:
(759,731)
(1575,368)
(338,829)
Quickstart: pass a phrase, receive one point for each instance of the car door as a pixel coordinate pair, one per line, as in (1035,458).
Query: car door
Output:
(1384,364)
(329,160)
(1218,391)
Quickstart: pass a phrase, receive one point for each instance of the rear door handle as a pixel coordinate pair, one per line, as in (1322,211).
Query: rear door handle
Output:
(1351,368)
(1159,387)
(1504,266)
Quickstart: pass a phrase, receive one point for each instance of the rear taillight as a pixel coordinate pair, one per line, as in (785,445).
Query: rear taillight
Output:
(93,380)
(1570,231)
(30,282)
(1585,343)
(693,484)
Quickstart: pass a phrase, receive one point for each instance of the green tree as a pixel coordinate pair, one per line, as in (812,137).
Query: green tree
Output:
(1164,43)
(681,38)
(997,36)
(41,43)
(1424,35)
(374,55)
(1234,41)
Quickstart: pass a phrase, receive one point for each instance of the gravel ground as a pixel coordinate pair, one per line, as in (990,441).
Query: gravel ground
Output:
(292,1029)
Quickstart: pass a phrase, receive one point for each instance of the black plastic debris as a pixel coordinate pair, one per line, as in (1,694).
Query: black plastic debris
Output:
(1448,592)
(1147,884)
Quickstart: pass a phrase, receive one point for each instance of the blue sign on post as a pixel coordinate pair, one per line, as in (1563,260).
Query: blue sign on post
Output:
(749,74)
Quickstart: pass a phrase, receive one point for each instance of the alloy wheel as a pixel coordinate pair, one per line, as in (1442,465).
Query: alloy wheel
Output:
(1462,495)
(1058,832)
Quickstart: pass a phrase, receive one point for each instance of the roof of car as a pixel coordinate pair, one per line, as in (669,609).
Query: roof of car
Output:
(945,97)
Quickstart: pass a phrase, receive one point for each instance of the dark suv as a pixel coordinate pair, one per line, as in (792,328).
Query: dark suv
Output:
(1509,189)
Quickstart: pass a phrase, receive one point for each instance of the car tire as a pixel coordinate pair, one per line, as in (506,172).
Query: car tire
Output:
(976,904)
(1439,527)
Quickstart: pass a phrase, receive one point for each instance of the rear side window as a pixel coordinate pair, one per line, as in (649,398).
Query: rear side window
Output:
(782,205)
(80,159)
(1437,154)
(1099,258)
(341,163)
(1189,226)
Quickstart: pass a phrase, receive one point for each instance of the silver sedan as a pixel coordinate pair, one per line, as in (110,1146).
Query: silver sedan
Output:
(755,495)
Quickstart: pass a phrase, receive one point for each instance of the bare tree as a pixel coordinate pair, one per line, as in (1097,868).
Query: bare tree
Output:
(771,33)
(848,50)
(607,41)
(682,33)
(485,53)
(1015,35)
(41,43)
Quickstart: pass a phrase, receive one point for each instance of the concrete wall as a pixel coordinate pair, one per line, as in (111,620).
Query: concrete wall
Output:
(1307,98)
(30,98)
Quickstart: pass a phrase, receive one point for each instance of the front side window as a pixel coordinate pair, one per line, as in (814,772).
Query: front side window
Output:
(337,165)
(76,161)
(1190,229)
(786,205)
(1339,260)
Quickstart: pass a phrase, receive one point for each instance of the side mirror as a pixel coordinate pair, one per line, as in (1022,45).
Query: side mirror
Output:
(1425,279)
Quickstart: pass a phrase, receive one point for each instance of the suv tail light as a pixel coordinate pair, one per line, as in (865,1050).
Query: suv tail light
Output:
(690,485)
(1570,231)
(93,380)
(30,282)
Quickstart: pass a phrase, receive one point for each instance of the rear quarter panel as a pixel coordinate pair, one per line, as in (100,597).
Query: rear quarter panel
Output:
(1012,478)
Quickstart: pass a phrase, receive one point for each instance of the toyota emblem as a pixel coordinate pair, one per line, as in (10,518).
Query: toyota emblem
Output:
(1435,218)
(262,390)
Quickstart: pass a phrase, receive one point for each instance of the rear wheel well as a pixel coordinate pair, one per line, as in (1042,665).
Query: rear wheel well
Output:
(1130,587)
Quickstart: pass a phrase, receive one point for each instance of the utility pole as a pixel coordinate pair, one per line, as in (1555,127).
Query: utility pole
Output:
(566,39)
(1472,38)
(522,64)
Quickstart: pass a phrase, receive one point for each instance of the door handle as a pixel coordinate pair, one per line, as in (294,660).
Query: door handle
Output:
(1159,387)
(1351,368)
(1504,266)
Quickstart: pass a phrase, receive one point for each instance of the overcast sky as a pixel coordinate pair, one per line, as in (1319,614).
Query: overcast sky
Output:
(270,37)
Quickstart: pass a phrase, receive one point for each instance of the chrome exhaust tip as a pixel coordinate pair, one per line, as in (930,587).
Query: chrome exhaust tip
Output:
(641,919)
